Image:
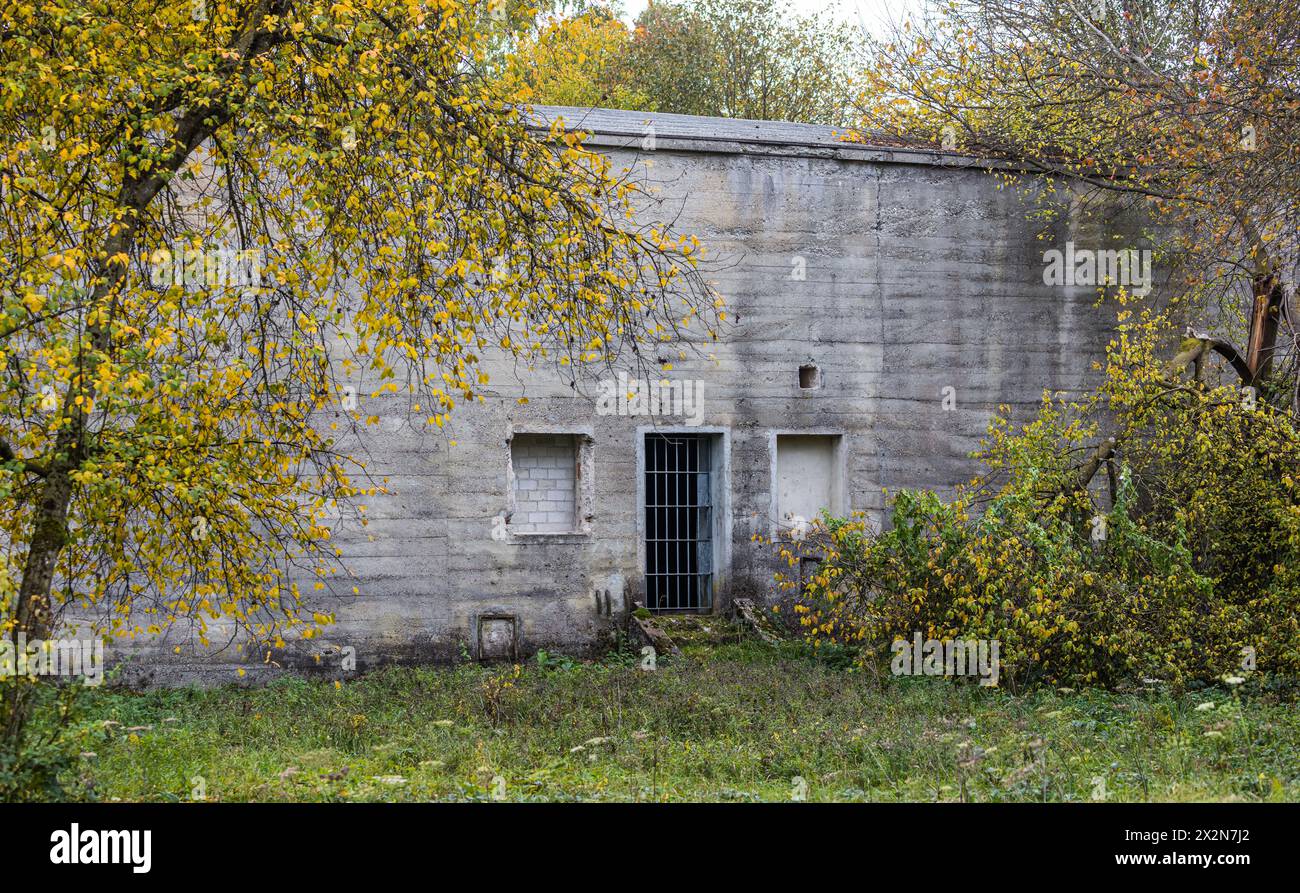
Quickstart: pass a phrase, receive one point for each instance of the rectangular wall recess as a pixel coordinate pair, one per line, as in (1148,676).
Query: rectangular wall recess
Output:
(808,480)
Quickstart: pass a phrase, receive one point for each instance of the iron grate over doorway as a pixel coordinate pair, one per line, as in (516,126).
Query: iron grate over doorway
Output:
(678,522)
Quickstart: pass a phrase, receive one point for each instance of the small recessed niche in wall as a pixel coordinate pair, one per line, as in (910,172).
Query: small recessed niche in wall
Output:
(810,377)
(498,637)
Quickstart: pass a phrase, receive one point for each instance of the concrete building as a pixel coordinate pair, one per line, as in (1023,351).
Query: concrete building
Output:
(884,301)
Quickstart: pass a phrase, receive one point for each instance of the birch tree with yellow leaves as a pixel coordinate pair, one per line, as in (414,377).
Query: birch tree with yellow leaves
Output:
(213,212)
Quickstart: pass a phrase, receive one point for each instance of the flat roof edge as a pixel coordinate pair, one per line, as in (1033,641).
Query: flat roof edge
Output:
(621,129)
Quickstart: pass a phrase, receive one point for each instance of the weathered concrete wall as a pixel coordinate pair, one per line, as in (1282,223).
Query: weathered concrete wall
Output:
(918,274)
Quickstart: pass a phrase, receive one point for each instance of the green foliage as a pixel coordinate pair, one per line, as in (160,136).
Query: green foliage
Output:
(548,661)
(39,769)
(743,59)
(723,58)
(734,723)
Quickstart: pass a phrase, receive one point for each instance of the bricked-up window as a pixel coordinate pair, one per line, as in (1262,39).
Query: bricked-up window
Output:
(547,497)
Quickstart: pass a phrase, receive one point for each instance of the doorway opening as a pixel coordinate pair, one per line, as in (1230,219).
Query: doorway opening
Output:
(679,522)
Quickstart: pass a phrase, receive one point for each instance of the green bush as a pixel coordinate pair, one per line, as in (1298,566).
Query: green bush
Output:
(50,746)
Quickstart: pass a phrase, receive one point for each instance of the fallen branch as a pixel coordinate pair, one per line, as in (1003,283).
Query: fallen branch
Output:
(748,613)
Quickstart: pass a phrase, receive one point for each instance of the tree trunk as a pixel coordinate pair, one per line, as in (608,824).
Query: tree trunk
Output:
(34,613)
(1264,316)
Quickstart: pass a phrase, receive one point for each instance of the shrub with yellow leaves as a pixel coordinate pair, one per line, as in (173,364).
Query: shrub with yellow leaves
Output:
(1187,567)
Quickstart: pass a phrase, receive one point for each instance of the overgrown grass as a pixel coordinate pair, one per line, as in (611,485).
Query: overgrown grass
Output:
(736,722)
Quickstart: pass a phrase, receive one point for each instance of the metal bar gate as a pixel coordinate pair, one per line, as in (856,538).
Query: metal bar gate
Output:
(678,522)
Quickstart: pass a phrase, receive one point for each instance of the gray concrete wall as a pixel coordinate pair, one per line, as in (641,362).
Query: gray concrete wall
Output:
(919,275)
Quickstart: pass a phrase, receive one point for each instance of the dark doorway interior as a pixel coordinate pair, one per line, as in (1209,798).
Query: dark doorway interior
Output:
(679,522)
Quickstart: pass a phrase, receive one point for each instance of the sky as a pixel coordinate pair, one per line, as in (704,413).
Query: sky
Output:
(871,14)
